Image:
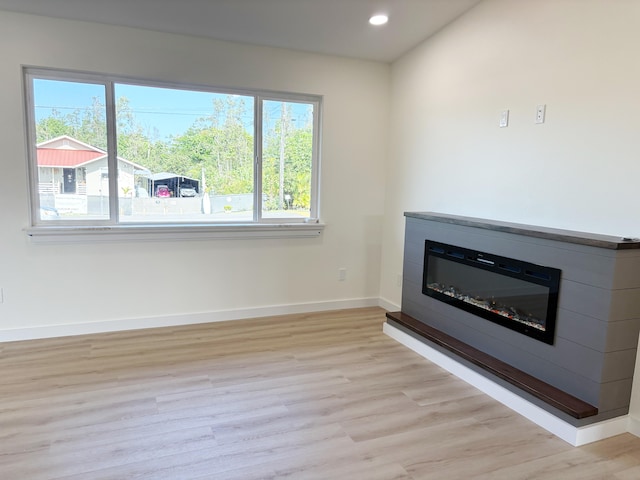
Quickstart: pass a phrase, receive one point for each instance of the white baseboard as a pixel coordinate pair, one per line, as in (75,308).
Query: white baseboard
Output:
(634,426)
(50,331)
(388,305)
(576,436)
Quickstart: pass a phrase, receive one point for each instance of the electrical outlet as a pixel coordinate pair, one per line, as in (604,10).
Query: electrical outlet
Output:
(540,112)
(342,274)
(399,280)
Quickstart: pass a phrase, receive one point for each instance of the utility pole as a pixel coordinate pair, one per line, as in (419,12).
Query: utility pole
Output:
(283,133)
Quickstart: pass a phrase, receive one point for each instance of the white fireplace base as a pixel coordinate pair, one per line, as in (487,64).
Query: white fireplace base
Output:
(575,436)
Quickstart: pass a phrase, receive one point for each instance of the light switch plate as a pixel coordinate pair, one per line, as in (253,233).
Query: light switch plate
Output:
(504,119)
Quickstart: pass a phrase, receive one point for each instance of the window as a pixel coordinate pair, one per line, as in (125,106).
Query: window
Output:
(112,152)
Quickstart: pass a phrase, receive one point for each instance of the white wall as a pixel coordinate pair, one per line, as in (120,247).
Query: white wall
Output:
(579,170)
(105,282)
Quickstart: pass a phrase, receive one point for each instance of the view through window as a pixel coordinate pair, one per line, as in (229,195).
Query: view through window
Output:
(117,152)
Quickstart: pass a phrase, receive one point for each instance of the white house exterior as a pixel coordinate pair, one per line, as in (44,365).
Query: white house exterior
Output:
(69,166)
(73,175)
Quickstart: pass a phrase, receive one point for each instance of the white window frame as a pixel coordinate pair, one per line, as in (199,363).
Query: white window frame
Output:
(111,228)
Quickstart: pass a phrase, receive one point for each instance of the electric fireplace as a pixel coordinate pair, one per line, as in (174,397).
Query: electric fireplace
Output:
(518,295)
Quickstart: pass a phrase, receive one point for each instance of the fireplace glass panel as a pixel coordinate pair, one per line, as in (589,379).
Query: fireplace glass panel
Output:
(518,295)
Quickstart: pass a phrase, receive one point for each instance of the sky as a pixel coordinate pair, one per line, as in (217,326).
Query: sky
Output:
(162,112)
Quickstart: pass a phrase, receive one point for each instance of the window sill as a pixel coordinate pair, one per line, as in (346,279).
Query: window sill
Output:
(79,234)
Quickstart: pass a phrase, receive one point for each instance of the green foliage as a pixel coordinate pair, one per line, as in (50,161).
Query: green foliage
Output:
(87,125)
(52,127)
(220,145)
(293,149)
(225,153)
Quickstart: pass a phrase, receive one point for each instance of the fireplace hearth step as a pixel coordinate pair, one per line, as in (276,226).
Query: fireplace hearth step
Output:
(553,396)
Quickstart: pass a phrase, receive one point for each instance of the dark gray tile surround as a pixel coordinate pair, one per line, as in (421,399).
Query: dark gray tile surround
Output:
(593,356)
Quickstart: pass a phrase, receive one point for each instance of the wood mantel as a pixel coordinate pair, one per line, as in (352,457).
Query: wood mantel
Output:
(568,236)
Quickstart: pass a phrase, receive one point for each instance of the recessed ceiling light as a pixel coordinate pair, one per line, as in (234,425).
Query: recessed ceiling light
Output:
(378,19)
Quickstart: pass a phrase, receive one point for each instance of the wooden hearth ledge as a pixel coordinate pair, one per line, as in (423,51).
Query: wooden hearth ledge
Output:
(557,398)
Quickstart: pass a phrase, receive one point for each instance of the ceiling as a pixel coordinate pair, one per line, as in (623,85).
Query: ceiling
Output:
(334,27)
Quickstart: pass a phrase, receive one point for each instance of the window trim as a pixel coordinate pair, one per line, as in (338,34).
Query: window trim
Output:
(112,228)
(77,234)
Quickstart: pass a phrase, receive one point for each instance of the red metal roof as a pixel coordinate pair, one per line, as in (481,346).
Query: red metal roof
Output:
(55,157)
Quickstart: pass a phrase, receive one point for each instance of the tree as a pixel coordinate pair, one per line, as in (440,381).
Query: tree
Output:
(52,127)
(287,162)
(221,145)
(85,124)
(226,154)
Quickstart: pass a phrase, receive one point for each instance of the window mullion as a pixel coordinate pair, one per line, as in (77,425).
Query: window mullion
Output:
(315,164)
(257,145)
(112,151)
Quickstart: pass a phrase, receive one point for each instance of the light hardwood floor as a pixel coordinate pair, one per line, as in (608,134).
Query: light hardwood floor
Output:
(319,396)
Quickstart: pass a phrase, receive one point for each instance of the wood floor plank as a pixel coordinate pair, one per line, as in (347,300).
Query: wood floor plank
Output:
(312,396)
